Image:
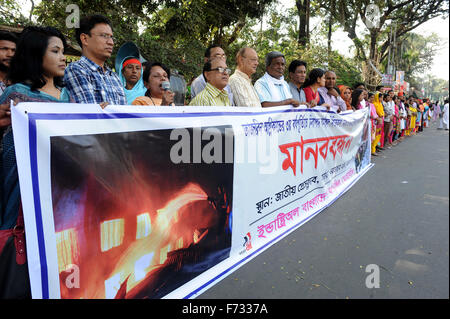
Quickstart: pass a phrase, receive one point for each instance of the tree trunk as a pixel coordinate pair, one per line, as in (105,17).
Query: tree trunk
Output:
(330,27)
(303,8)
(372,77)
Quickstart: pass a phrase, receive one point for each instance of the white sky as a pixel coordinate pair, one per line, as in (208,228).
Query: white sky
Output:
(341,42)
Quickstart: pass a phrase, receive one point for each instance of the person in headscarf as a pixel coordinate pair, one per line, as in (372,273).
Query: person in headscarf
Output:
(346,95)
(131,76)
(374,120)
(413,109)
(379,134)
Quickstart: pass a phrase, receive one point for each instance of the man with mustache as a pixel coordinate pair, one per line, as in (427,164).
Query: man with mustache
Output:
(272,89)
(216,74)
(90,80)
(330,94)
(212,52)
(7,49)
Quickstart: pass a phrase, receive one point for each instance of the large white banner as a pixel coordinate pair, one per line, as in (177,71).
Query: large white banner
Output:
(163,202)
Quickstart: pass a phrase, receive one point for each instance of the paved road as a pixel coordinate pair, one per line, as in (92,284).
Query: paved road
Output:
(396,216)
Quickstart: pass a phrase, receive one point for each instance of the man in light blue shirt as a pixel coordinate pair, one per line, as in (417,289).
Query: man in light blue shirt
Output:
(272,89)
(297,75)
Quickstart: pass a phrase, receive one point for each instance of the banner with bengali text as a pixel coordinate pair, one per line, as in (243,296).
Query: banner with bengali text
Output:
(163,202)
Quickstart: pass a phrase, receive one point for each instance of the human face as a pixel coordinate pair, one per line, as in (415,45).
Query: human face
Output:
(99,43)
(216,78)
(217,52)
(330,80)
(132,73)
(321,81)
(299,76)
(7,50)
(54,61)
(371,99)
(391,94)
(347,94)
(249,62)
(155,79)
(277,67)
(361,96)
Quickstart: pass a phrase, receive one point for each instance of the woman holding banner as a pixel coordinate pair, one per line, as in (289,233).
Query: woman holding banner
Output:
(36,74)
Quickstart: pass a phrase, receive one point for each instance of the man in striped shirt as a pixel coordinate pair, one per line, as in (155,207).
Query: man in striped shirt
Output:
(90,80)
(244,94)
(216,75)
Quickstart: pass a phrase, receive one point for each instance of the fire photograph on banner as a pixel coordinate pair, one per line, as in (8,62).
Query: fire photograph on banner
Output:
(133,223)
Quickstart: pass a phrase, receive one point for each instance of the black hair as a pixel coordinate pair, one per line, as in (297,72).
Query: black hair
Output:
(370,94)
(148,69)
(313,75)
(88,23)
(379,87)
(355,96)
(295,64)
(8,36)
(26,65)
(208,50)
(358,84)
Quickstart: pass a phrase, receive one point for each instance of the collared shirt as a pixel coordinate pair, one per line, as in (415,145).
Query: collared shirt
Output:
(88,83)
(389,110)
(297,93)
(2,87)
(199,84)
(335,103)
(211,96)
(262,87)
(244,93)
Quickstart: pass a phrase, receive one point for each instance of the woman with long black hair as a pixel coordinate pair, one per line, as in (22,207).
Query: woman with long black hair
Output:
(315,80)
(36,73)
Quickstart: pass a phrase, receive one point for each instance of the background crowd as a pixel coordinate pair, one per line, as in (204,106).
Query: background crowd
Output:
(33,69)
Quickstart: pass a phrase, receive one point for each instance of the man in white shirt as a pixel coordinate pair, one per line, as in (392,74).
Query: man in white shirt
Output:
(244,94)
(272,89)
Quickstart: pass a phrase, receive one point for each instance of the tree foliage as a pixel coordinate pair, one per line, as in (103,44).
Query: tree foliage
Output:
(177,32)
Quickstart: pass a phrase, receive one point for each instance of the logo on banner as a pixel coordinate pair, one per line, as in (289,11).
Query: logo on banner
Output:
(248,242)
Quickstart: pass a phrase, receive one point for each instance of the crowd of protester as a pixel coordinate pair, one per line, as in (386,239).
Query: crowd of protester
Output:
(33,69)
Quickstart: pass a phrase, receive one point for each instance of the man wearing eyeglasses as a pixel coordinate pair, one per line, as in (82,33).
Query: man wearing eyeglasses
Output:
(90,80)
(212,52)
(216,74)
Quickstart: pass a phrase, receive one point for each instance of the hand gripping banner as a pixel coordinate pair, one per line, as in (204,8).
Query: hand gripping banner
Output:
(163,202)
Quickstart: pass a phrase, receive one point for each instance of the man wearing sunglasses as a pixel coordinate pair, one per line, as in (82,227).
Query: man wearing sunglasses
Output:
(216,74)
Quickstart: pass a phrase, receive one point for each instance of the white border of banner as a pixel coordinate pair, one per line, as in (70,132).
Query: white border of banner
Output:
(29,118)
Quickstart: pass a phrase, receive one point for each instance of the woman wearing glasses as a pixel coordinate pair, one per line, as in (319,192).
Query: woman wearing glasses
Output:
(156,79)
